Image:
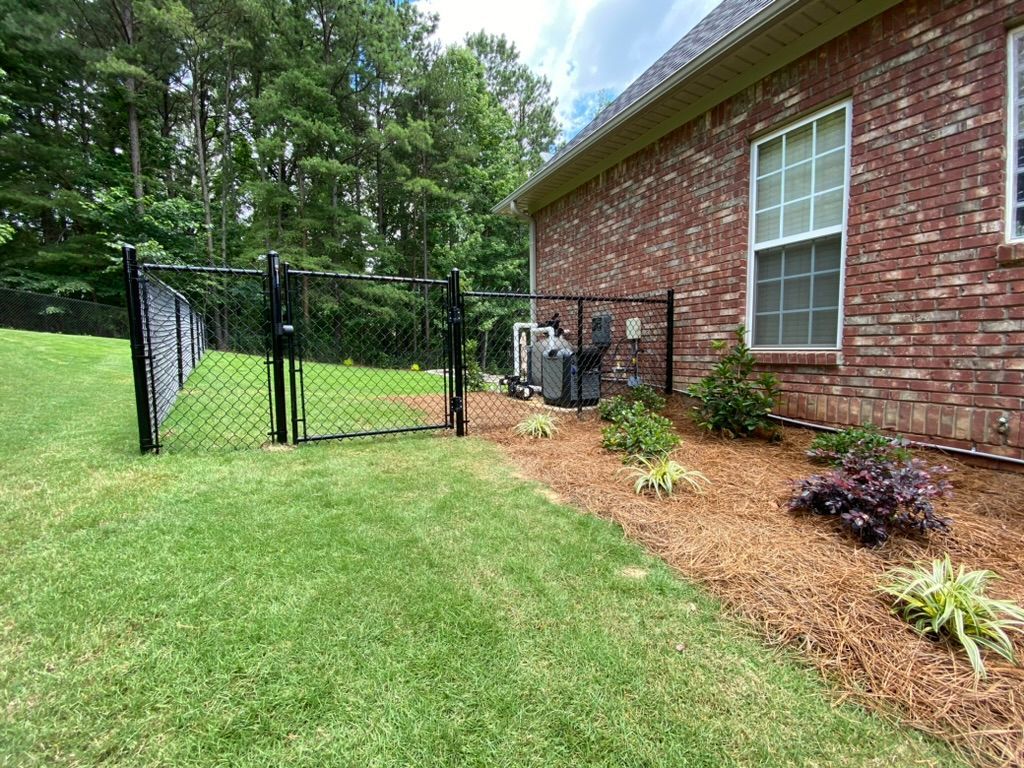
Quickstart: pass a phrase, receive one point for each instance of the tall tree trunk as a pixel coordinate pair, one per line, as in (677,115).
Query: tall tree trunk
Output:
(227,185)
(199,129)
(134,142)
(426,275)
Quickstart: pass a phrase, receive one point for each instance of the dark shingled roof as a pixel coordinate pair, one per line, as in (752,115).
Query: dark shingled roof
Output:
(726,17)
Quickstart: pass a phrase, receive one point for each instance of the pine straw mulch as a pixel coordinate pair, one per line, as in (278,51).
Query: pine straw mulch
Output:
(804,583)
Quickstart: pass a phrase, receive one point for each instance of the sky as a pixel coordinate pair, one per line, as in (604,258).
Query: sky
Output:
(590,50)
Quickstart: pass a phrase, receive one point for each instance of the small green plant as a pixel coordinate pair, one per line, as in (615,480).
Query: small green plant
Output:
(663,475)
(610,409)
(639,434)
(729,400)
(865,441)
(941,602)
(537,425)
(475,381)
(348,361)
(414,367)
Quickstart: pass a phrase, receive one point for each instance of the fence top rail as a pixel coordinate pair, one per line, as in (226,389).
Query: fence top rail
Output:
(207,270)
(566,297)
(369,278)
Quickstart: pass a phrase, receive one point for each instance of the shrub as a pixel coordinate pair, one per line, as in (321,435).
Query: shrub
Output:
(729,400)
(639,433)
(663,475)
(875,498)
(942,603)
(610,409)
(348,361)
(537,425)
(866,441)
(474,376)
(414,367)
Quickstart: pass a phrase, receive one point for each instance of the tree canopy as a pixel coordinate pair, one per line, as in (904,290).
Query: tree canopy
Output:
(337,132)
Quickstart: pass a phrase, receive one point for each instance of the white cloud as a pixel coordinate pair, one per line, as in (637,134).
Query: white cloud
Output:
(581,46)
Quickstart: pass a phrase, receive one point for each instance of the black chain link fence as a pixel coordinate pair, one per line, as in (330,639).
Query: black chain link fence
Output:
(29,311)
(559,354)
(369,354)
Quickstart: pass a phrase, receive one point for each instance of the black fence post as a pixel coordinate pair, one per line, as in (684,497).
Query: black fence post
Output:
(289,320)
(670,337)
(277,333)
(177,342)
(138,347)
(578,364)
(457,362)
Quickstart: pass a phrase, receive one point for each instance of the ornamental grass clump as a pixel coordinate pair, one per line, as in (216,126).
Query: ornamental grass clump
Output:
(876,498)
(942,603)
(539,425)
(663,475)
(731,400)
(867,441)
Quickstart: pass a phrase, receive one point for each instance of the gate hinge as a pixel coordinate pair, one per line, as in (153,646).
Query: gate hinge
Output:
(455,315)
(457,405)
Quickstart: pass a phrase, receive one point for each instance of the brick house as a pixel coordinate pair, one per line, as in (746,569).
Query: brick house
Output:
(835,175)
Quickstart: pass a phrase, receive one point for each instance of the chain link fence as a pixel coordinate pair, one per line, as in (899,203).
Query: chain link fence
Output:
(29,311)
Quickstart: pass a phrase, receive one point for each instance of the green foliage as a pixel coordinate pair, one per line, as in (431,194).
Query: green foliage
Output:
(414,367)
(537,425)
(729,400)
(611,408)
(942,602)
(639,434)
(865,441)
(348,361)
(663,475)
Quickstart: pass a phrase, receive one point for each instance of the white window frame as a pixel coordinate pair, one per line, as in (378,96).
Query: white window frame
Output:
(1015,36)
(817,234)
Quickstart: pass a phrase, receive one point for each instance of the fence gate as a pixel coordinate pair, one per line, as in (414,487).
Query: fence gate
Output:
(370,355)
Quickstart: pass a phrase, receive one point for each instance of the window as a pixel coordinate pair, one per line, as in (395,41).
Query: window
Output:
(1015,156)
(799,193)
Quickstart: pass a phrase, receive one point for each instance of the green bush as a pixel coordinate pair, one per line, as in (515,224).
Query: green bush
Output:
(866,442)
(729,400)
(941,602)
(640,434)
(474,375)
(610,409)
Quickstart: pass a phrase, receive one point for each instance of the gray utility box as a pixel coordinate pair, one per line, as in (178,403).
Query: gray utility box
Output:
(558,382)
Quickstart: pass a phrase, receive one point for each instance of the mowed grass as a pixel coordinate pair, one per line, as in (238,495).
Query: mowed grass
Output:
(395,602)
(224,401)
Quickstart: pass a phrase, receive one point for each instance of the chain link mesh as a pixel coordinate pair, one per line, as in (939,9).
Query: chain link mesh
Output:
(206,341)
(369,354)
(29,311)
(559,354)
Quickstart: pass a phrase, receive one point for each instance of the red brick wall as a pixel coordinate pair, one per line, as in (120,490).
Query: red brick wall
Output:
(933,339)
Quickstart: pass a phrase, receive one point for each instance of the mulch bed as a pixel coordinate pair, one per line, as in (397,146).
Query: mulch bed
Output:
(801,580)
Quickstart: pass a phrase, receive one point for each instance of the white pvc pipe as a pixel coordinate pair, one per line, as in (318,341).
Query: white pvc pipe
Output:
(516,328)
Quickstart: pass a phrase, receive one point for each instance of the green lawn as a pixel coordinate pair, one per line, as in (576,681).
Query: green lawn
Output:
(396,602)
(224,402)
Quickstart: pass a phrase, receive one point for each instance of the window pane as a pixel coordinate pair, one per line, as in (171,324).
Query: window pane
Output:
(766,330)
(826,290)
(798,259)
(799,144)
(828,171)
(766,225)
(823,326)
(769,264)
(769,191)
(798,181)
(796,218)
(797,293)
(767,298)
(828,209)
(826,254)
(795,328)
(1020,222)
(769,156)
(831,131)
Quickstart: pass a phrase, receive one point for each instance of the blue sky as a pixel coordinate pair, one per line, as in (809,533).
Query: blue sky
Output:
(590,50)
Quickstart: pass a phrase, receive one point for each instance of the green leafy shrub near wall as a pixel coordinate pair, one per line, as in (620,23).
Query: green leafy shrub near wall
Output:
(865,441)
(639,433)
(730,401)
(610,409)
(946,603)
